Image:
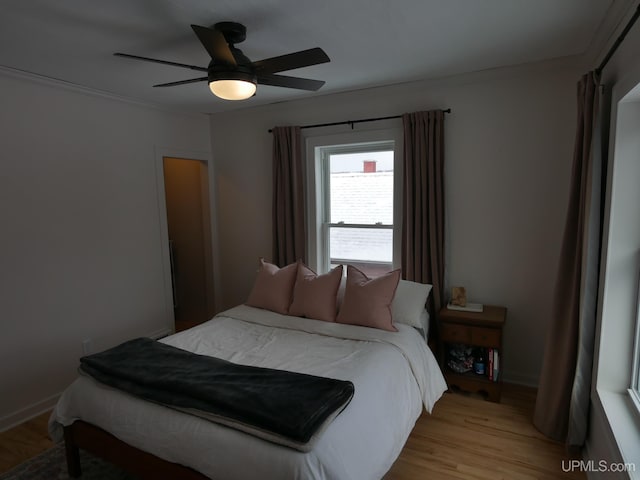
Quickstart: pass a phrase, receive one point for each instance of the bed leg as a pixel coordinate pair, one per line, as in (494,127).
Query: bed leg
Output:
(72,453)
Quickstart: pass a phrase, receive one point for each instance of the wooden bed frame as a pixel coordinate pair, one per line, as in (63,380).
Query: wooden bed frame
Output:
(102,444)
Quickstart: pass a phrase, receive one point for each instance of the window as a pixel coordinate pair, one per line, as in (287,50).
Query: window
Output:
(618,360)
(634,389)
(619,353)
(358,214)
(356,192)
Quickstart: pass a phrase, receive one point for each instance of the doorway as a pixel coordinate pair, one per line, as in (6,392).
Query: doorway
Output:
(187,201)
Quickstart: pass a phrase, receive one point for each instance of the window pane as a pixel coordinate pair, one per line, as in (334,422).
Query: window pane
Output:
(371,270)
(361,187)
(370,245)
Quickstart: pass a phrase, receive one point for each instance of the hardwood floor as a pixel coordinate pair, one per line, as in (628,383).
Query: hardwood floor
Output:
(24,441)
(466,437)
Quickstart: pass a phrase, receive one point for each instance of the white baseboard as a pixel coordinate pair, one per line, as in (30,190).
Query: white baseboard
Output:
(27,413)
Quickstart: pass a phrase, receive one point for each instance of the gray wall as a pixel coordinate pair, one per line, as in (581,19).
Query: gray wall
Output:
(509,144)
(80,247)
(81,244)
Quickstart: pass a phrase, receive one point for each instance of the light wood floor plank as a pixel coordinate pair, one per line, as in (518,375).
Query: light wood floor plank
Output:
(24,441)
(467,437)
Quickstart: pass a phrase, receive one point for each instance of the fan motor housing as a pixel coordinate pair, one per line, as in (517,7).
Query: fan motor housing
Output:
(224,71)
(233,32)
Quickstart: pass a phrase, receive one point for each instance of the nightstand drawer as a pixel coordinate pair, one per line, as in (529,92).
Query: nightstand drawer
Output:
(485,337)
(456,334)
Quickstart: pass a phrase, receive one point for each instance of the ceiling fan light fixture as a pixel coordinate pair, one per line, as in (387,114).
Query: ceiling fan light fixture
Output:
(231,75)
(232,89)
(233,85)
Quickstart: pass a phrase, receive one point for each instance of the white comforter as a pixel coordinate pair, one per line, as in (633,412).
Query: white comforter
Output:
(394,375)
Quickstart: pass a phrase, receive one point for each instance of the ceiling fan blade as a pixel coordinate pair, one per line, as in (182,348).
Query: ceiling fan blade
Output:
(182,82)
(215,43)
(304,58)
(290,82)
(163,62)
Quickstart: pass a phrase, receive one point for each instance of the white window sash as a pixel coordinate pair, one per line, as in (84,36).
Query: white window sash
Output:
(634,387)
(319,148)
(380,226)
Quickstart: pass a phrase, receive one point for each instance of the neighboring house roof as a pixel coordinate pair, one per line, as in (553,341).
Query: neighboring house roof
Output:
(367,198)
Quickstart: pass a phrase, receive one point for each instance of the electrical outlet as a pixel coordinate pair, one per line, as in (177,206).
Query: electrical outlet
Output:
(87,346)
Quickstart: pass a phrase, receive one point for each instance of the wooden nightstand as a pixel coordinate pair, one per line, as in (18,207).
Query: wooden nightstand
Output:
(478,330)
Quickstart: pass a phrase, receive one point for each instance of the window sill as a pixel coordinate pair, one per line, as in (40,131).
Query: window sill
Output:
(623,419)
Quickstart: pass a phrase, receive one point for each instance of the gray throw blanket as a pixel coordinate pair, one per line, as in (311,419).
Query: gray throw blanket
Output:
(288,408)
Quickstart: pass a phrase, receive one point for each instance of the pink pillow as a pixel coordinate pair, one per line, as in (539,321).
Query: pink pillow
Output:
(367,301)
(315,296)
(273,287)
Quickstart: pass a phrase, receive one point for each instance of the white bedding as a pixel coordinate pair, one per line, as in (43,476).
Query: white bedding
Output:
(394,374)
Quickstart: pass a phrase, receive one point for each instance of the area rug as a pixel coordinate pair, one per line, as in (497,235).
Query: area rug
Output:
(51,465)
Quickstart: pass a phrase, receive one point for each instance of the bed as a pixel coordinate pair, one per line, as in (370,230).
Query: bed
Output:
(394,374)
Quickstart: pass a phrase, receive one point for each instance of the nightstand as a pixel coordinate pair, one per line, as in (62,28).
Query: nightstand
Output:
(479,332)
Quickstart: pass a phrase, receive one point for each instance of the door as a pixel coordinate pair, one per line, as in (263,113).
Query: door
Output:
(189,227)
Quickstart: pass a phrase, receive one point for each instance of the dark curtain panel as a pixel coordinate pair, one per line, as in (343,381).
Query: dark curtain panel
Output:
(562,405)
(288,197)
(423,201)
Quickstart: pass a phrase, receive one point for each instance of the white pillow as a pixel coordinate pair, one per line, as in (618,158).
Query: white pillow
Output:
(409,303)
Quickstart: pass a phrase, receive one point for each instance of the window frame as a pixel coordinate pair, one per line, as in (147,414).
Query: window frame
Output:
(318,150)
(634,384)
(614,431)
(325,153)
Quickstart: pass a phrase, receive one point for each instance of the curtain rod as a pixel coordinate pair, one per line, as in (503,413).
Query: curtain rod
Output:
(618,41)
(353,122)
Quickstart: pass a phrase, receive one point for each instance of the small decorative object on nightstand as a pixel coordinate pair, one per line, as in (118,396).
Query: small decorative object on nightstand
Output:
(468,338)
(459,296)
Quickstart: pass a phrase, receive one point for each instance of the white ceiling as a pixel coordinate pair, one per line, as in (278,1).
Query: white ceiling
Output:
(370,42)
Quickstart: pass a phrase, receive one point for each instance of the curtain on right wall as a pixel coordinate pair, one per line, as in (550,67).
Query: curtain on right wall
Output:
(562,405)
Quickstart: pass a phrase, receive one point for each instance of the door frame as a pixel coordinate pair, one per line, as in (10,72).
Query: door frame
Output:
(201,156)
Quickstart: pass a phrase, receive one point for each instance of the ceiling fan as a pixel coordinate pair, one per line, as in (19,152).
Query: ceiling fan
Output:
(231,75)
